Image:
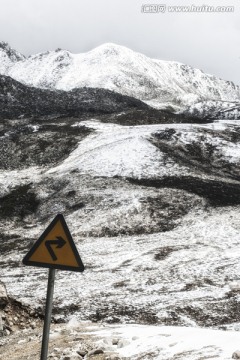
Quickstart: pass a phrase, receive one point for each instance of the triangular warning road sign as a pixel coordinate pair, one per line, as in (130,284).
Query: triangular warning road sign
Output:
(55,248)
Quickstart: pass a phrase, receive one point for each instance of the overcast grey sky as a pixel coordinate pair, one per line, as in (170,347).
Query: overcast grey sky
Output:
(209,41)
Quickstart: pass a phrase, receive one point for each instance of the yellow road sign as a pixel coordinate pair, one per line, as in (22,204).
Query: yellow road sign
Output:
(55,248)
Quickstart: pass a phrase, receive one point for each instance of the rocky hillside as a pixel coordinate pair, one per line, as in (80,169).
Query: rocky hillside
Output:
(153,210)
(21,101)
(162,84)
(210,109)
(18,100)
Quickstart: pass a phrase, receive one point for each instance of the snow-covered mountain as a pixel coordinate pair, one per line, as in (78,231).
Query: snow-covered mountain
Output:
(8,57)
(161,84)
(151,199)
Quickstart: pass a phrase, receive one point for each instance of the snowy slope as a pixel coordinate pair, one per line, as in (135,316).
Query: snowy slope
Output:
(169,343)
(8,57)
(214,109)
(165,253)
(119,150)
(161,84)
(155,151)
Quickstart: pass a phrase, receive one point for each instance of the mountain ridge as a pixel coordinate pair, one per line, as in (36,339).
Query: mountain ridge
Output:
(161,84)
(18,100)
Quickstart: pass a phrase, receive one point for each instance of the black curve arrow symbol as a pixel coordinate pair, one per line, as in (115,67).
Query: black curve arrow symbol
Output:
(60,242)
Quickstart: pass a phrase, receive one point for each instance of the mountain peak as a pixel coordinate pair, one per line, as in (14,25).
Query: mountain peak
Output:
(12,54)
(110,49)
(4,45)
(160,84)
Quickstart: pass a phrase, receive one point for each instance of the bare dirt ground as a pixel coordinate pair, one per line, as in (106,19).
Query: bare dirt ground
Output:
(65,343)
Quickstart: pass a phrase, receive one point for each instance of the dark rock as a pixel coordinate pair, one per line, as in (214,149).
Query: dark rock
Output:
(3,295)
(115,341)
(82,352)
(20,202)
(236,355)
(96,352)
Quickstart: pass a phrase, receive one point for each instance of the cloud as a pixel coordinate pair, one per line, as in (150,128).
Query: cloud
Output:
(207,41)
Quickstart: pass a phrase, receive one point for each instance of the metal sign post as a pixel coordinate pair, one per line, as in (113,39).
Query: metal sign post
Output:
(54,249)
(48,314)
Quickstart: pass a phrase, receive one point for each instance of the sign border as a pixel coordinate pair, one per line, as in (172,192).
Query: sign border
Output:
(26,261)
